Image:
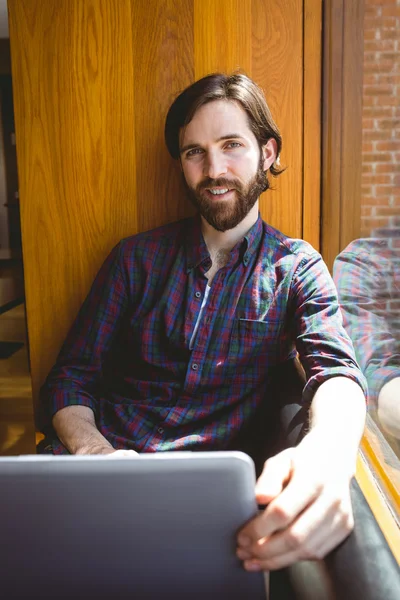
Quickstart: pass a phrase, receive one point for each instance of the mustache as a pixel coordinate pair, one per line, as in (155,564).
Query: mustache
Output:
(231,184)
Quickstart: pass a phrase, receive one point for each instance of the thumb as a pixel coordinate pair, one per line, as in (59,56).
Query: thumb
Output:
(274,477)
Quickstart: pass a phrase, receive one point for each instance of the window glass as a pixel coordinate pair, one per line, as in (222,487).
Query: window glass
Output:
(367,271)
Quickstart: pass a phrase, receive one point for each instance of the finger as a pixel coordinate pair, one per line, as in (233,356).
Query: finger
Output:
(284,509)
(286,559)
(276,473)
(335,524)
(122,454)
(270,565)
(324,525)
(280,512)
(319,529)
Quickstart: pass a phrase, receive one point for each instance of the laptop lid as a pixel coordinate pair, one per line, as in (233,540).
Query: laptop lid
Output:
(160,525)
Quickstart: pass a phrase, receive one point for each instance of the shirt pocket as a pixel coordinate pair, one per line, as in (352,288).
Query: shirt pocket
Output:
(259,343)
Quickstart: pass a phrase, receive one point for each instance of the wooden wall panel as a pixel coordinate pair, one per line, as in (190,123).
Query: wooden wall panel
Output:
(352,134)
(342,125)
(163,66)
(92,84)
(278,67)
(331,129)
(74,110)
(312,121)
(222,36)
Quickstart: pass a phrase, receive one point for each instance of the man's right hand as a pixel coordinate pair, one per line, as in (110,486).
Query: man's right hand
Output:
(108,451)
(76,428)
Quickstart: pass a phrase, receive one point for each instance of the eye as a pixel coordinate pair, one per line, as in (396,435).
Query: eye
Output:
(193,152)
(233,145)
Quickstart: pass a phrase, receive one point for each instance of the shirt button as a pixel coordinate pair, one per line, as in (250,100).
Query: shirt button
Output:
(195,366)
(198,295)
(160,430)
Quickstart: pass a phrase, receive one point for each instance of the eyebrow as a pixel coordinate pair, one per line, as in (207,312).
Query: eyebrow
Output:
(229,136)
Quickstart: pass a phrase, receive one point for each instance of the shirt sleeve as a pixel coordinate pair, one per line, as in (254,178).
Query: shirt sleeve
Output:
(324,348)
(362,280)
(77,374)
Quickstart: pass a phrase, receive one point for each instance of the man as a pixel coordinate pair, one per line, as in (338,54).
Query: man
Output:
(367,277)
(176,344)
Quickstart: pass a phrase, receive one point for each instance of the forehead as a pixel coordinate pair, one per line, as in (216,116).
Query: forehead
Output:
(214,120)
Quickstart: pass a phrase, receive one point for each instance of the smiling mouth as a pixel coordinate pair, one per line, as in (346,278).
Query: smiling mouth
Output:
(219,192)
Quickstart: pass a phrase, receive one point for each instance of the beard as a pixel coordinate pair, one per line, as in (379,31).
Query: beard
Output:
(227,214)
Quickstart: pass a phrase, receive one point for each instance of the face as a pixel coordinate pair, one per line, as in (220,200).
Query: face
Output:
(223,168)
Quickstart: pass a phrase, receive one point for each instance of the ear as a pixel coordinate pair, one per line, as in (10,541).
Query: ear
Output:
(269,150)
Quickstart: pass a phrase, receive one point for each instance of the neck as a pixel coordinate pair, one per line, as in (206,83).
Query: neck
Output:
(226,240)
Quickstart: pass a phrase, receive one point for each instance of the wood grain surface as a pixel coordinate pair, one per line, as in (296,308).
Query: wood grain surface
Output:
(277,48)
(331,129)
(92,83)
(342,125)
(222,36)
(163,66)
(352,106)
(312,121)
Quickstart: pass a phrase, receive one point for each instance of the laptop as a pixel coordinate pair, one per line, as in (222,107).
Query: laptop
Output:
(157,526)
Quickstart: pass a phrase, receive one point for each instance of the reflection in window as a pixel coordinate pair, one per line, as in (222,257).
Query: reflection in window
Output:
(367,272)
(367,276)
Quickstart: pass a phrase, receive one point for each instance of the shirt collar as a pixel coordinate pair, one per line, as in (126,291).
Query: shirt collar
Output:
(196,248)
(252,240)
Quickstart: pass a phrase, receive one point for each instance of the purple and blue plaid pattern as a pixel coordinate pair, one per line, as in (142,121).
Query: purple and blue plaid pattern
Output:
(127,354)
(367,276)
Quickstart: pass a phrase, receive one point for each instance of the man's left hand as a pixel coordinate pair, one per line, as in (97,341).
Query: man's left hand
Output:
(308,513)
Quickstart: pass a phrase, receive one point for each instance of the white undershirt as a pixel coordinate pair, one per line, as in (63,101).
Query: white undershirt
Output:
(191,344)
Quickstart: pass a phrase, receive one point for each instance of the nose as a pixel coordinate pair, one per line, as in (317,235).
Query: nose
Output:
(215,165)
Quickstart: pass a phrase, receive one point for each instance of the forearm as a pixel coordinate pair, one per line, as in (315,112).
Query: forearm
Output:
(337,418)
(76,428)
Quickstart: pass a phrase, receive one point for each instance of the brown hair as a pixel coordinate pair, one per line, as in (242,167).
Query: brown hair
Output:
(218,86)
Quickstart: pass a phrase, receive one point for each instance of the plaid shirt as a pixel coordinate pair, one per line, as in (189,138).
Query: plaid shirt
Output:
(127,355)
(367,276)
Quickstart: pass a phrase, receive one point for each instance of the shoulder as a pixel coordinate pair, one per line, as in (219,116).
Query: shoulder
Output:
(367,252)
(165,233)
(154,240)
(283,246)
(370,262)
(367,247)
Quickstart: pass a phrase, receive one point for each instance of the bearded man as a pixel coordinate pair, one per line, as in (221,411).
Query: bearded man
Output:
(185,326)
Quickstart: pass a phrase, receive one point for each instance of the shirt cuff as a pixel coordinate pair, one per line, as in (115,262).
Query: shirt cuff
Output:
(315,381)
(63,398)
